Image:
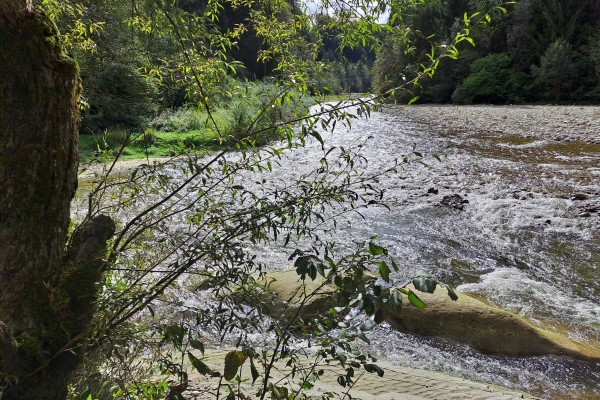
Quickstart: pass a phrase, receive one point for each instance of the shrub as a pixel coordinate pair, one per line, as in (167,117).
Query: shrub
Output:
(491,81)
(117,95)
(260,105)
(181,120)
(114,138)
(149,136)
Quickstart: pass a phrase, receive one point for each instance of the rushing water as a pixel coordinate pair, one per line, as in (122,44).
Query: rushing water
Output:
(527,241)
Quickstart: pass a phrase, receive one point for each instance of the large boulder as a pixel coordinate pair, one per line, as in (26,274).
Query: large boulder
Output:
(488,329)
(287,293)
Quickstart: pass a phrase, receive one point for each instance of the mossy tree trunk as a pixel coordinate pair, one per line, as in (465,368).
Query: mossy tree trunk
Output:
(40,313)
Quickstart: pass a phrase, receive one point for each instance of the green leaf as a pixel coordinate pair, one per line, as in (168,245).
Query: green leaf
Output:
(302,266)
(367,326)
(368,305)
(341,380)
(197,345)
(423,282)
(321,269)
(371,368)
(175,333)
(451,291)
(376,250)
(379,317)
(377,290)
(202,368)
(84,395)
(396,300)
(415,301)
(338,281)
(312,272)
(384,271)
(253,371)
(233,361)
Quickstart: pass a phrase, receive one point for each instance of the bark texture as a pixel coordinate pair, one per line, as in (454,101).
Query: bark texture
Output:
(40,311)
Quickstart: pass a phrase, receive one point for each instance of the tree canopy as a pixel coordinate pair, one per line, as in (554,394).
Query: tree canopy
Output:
(541,40)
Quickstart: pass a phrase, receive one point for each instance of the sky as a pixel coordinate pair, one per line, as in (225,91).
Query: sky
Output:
(313,6)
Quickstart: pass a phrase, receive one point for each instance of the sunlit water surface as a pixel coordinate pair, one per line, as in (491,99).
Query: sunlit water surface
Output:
(527,241)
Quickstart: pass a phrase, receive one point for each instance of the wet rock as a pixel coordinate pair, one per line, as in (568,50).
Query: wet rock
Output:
(579,196)
(584,214)
(488,329)
(286,291)
(454,201)
(468,320)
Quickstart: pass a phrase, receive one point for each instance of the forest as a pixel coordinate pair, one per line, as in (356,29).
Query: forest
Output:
(532,51)
(539,51)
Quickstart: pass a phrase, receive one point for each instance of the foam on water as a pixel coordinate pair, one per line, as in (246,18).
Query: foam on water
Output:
(540,302)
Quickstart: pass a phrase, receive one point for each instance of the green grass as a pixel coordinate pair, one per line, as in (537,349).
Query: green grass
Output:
(163,144)
(191,129)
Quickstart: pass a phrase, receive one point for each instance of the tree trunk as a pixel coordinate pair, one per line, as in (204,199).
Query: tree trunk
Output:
(40,314)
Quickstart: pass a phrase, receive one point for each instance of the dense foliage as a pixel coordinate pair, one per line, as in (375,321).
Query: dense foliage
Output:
(530,51)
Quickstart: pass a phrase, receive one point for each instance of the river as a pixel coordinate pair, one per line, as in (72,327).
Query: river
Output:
(526,241)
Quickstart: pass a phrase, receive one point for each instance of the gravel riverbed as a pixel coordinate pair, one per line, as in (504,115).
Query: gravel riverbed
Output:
(553,123)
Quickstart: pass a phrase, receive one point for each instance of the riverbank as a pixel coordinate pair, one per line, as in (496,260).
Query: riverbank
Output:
(94,170)
(553,123)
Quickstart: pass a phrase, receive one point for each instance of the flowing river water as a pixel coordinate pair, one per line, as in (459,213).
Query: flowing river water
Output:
(527,240)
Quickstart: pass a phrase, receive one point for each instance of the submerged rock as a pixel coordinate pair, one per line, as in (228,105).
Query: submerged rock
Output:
(454,201)
(579,196)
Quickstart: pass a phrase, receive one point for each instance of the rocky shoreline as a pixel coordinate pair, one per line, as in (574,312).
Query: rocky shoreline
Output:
(558,145)
(554,123)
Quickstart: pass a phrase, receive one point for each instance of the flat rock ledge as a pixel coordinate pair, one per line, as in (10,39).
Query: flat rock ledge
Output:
(488,329)
(397,383)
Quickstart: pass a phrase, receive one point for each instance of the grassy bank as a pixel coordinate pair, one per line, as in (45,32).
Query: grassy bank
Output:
(180,131)
(150,143)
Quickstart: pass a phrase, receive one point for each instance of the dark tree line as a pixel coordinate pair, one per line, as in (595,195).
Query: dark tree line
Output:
(117,94)
(539,50)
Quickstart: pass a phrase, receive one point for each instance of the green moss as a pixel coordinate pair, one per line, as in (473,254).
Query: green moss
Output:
(31,348)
